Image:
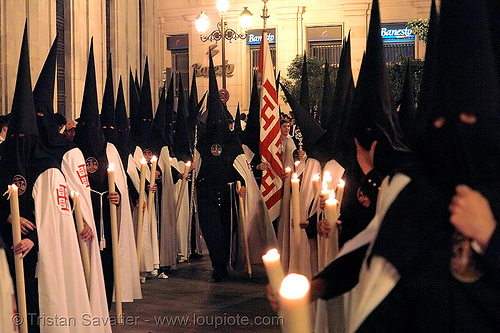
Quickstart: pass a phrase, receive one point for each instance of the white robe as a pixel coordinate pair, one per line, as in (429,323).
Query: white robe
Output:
(168,223)
(61,281)
(75,172)
(7,296)
(259,230)
(129,270)
(183,218)
(149,252)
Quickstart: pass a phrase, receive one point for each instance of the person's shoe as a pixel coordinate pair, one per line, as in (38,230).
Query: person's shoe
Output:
(195,256)
(218,274)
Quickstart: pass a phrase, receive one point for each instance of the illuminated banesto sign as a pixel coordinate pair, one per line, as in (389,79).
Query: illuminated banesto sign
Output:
(397,33)
(255,36)
(200,70)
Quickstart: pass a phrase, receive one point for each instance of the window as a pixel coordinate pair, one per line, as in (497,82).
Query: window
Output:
(179,47)
(325,43)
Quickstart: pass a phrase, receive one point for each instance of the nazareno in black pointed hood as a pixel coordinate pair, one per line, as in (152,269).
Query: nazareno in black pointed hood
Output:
(311,131)
(326,104)
(337,130)
(237,120)
(134,106)
(23,157)
(250,137)
(150,139)
(169,113)
(53,142)
(107,117)
(468,98)
(194,108)
(123,144)
(407,107)
(304,86)
(182,145)
(372,116)
(89,136)
(217,135)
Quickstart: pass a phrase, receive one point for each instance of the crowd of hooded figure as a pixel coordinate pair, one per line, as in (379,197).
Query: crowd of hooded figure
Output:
(416,246)
(418,235)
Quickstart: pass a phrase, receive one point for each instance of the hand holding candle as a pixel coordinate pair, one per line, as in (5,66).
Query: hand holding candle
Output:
(178,204)
(294,300)
(18,260)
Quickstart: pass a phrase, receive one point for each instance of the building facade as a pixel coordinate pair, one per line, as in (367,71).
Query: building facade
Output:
(165,31)
(317,27)
(127,31)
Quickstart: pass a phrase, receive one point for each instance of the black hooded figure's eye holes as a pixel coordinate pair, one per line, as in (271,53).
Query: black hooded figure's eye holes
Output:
(468,118)
(439,122)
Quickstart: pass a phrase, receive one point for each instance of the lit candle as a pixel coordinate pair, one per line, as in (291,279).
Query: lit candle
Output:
(331,209)
(325,191)
(294,302)
(140,212)
(339,193)
(315,183)
(114,241)
(296,208)
(274,270)
(84,250)
(296,165)
(152,179)
(327,178)
(178,204)
(288,171)
(18,260)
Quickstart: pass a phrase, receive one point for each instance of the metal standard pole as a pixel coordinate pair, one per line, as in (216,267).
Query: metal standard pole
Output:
(223,45)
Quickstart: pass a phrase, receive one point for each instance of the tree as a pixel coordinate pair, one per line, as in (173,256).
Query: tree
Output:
(316,73)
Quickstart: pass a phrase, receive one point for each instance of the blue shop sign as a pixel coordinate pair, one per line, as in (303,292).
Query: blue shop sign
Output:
(255,36)
(397,33)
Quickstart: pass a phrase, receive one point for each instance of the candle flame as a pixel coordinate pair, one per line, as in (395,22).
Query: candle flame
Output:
(332,196)
(327,175)
(294,286)
(296,163)
(271,255)
(170,159)
(324,185)
(288,169)
(341,182)
(111,167)
(295,176)
(154,158)
(143,161)
(74,194)
(315,177)
(188,164)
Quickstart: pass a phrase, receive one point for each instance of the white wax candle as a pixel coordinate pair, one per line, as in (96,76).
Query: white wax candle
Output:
(296,207)
(327,179)
(331,209)
(18,261)
(294,302)
(140,212)
(114,242)
(315,183)
(339,193)
(274,270)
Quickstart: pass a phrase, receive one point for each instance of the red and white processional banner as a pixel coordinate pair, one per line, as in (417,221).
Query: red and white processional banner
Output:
(270,139)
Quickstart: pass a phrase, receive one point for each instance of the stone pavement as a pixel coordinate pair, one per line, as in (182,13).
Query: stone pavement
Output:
(189,302)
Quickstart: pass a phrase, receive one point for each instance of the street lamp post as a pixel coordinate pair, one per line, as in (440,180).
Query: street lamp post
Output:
(223,32)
